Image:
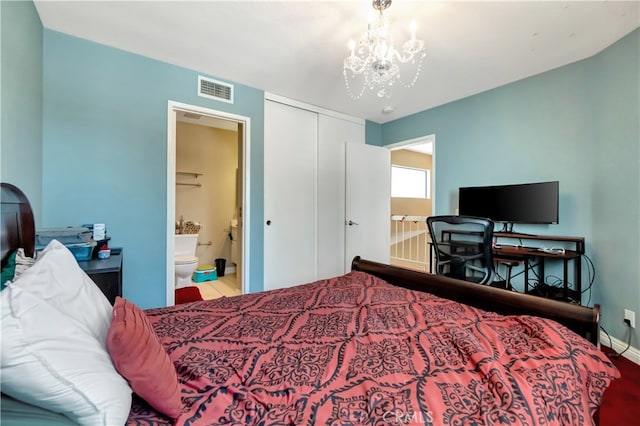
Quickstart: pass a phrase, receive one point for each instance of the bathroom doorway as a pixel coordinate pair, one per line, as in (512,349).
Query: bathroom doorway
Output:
(206,192)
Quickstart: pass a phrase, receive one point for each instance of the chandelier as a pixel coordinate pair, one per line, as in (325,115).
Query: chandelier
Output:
(377,61)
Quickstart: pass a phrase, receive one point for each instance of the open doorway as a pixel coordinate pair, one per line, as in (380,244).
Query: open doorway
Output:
(412,201)
(207,190)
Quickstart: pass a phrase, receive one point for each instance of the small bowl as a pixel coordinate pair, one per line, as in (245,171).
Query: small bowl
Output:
(104,254)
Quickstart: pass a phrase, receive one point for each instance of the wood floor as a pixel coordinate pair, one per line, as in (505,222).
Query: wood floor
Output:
(223,286)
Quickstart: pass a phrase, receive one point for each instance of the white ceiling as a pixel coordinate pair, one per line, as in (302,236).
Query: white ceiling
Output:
(296,48)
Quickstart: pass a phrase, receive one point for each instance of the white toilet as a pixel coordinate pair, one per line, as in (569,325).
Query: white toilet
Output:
(186,261)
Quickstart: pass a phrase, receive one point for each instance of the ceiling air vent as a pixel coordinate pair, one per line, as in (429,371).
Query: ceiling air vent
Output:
(214,89)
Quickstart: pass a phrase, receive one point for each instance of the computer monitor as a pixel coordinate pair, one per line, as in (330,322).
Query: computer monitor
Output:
(533,203)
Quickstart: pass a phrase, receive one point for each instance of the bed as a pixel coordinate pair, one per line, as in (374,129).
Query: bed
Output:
(378,345)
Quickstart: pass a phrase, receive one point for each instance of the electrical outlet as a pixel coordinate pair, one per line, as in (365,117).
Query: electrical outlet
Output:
(631,316)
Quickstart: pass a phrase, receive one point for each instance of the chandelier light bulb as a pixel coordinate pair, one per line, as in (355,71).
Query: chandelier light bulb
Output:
(376,59)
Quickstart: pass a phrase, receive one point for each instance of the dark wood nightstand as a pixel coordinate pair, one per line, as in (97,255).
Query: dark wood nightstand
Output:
(106,273)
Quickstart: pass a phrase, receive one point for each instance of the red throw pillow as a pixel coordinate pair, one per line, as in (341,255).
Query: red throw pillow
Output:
(139,356)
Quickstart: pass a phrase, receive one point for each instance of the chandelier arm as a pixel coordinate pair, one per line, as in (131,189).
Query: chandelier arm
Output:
(357,66)
(403,58)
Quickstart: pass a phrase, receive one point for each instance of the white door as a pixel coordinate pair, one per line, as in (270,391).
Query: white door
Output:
(368,206)
(290,200)
(333,134)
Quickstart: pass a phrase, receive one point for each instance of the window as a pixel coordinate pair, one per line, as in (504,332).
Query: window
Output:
(407,182)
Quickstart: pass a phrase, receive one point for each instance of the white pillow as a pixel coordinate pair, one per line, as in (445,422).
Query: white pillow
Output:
(54,326)
(57,279)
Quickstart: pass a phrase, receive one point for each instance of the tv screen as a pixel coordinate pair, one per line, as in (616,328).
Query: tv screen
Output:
(522,203)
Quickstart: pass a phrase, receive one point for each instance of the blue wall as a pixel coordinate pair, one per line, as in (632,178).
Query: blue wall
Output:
(105,151)
(578,124)
(373,133)
(615,180)
(21,100)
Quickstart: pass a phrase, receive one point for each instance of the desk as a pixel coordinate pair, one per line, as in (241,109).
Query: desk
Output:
(531,256)
(106,273)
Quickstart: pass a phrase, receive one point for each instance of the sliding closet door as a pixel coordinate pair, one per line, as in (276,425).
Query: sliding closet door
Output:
(333,134)
(290,195)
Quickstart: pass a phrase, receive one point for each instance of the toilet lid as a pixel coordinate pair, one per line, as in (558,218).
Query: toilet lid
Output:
(181,260)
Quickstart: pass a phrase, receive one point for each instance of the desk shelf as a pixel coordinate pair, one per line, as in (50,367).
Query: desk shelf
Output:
(578,242)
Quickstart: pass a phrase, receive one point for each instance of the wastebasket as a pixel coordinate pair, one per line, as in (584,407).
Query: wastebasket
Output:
(220,265)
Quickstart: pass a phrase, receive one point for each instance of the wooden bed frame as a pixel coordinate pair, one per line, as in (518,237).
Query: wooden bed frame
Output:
(18,230)
(17,227)
(581,319)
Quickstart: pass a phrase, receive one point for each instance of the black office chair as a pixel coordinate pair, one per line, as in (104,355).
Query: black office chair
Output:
(462,246)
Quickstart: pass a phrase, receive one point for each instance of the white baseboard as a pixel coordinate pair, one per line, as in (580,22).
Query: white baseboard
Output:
(632,354)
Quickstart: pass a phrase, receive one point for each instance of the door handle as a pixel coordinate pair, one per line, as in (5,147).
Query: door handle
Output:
(351,223)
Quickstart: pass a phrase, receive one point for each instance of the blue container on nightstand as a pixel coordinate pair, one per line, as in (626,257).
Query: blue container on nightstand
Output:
(81,251)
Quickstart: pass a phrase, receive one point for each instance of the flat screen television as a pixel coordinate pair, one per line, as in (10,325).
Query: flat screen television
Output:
(535,203)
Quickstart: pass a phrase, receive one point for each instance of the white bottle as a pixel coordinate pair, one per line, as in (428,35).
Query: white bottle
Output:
(99,231)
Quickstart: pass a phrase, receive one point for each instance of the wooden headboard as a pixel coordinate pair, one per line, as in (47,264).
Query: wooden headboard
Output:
(18,227)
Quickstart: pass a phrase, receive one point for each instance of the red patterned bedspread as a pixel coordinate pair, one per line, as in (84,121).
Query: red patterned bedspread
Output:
(355,350)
